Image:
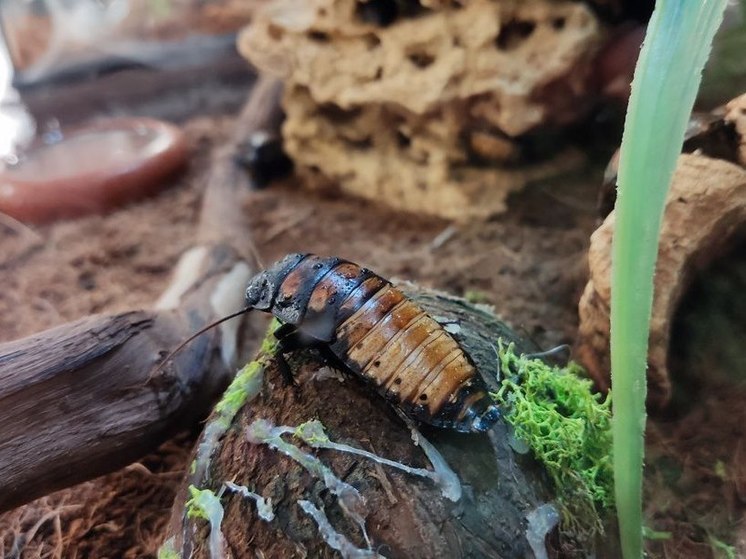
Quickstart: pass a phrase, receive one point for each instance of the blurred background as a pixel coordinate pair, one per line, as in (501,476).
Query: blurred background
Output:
(64,61)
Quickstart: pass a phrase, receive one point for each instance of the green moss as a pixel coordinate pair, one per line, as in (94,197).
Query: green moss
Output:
(235,395)
(204,504)
(195,506)
(475,296)
(311,432)
(269,343)
(167,551)
(568,429)
(245,382)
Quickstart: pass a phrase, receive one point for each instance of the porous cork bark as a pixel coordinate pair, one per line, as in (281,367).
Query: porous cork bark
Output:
(705,214)
(406,516)
(427,109)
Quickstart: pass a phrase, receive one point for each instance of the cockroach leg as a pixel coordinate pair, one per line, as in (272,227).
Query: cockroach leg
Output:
(289,339)
(285,370)
(284,330)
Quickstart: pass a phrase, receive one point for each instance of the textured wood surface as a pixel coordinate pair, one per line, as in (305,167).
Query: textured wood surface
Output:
(704,216)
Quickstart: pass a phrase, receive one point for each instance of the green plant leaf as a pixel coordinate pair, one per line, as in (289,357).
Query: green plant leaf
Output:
(668,73)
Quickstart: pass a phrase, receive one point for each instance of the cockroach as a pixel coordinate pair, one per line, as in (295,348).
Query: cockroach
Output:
(377,333)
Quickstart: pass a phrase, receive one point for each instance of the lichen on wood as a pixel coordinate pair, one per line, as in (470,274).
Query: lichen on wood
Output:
(204,504)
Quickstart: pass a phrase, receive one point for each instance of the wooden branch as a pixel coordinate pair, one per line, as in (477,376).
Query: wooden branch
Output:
(222,218)
(86,398)
(84,406)
(83,399)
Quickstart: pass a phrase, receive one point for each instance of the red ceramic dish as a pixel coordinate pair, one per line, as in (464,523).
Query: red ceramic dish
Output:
(92,169)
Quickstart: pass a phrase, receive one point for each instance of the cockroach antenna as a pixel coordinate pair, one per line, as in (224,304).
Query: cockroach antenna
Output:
(197,334)
(258,259)
(256,255)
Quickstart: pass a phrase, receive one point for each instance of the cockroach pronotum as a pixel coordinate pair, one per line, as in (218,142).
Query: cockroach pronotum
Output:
(377,333)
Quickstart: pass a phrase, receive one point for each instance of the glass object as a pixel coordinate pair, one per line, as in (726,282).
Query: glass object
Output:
(52,37)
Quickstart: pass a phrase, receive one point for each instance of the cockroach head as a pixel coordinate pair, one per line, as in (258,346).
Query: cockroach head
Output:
(259,292)
(262,288)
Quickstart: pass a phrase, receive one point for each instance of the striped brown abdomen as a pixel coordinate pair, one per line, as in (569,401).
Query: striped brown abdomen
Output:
(384,337)
(392,342)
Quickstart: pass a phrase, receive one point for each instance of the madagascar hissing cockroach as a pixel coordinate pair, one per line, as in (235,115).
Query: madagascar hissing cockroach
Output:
(377,333)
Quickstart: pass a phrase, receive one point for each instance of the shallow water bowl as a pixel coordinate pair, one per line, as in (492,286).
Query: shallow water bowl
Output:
(92,169)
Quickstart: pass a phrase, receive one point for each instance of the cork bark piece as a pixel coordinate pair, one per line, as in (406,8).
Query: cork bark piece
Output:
(705,209)
(426,111)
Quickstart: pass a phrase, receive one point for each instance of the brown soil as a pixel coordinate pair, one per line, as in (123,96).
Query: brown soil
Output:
(696,457)
(529,263)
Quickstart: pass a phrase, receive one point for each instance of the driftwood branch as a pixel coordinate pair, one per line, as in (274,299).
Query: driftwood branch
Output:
(222,219)
(88,397)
